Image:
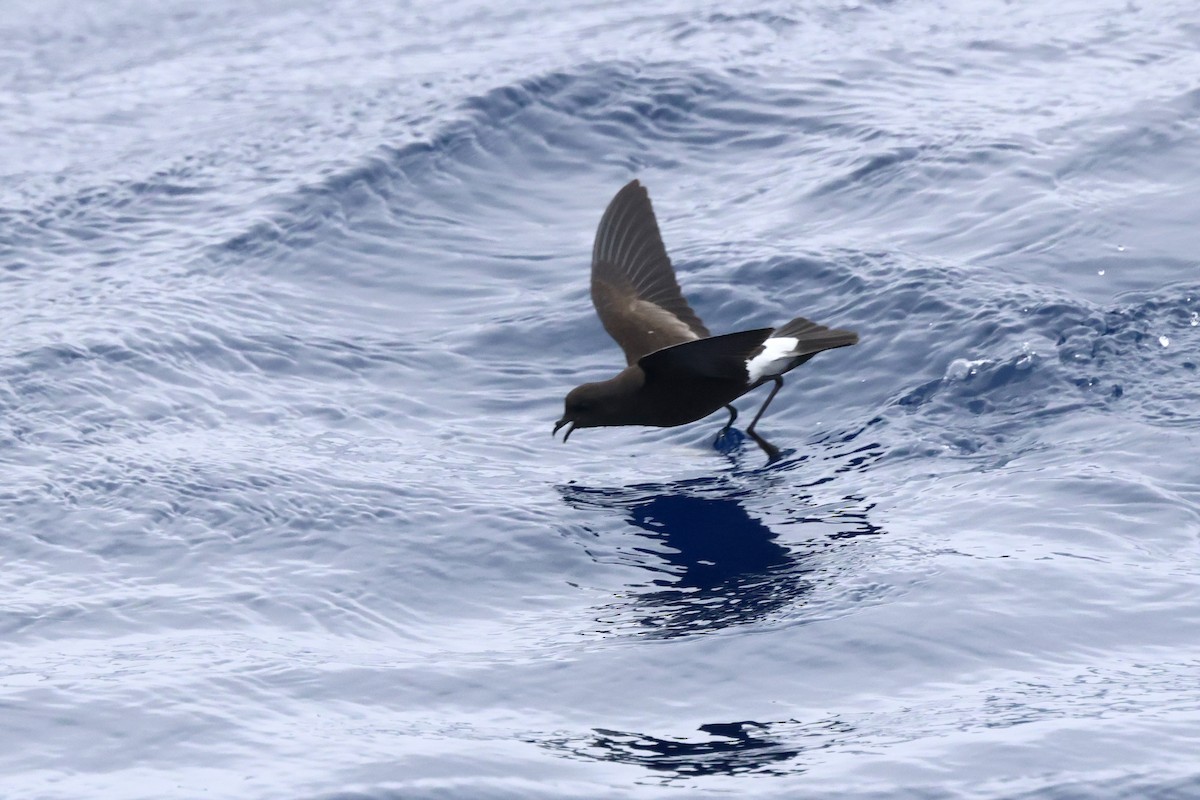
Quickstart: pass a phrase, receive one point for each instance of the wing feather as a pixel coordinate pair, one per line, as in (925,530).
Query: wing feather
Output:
(633,283)
(722,357)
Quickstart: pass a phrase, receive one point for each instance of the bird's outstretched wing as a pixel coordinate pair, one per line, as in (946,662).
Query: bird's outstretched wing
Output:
(722,357)
(633,284)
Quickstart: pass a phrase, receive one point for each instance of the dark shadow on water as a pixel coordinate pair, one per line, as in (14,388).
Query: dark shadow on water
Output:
(727,748)
(746,547)
(712,562)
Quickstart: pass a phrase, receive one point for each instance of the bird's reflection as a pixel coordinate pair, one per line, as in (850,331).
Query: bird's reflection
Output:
(732,549)
(713,563)
(727,748)
(722,749)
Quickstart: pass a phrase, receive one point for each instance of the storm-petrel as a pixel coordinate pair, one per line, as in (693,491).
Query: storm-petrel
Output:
(678,372)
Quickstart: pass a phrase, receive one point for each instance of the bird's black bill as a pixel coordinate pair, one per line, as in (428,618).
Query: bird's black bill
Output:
(570,427)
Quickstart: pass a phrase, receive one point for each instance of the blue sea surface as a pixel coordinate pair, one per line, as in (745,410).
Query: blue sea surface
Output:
(290,296)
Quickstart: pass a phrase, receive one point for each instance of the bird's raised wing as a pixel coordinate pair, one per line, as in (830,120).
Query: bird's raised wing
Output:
(633,284)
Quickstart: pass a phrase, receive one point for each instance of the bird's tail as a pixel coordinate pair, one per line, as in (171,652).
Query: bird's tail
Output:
(812,338)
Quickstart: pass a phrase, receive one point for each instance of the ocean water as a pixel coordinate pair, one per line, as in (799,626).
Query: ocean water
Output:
(291,292)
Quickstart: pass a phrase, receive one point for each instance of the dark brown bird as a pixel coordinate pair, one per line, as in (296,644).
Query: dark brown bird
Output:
(677,372)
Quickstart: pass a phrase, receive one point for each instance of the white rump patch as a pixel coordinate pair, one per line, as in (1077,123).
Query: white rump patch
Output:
(776,357)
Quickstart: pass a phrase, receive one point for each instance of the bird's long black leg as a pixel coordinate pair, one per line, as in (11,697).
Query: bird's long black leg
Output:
(771,450)
(732,417)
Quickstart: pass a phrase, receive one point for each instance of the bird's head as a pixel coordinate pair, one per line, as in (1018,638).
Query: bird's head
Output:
(594,405)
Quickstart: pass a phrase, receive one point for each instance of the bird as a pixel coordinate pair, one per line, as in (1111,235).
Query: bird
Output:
(676,371)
